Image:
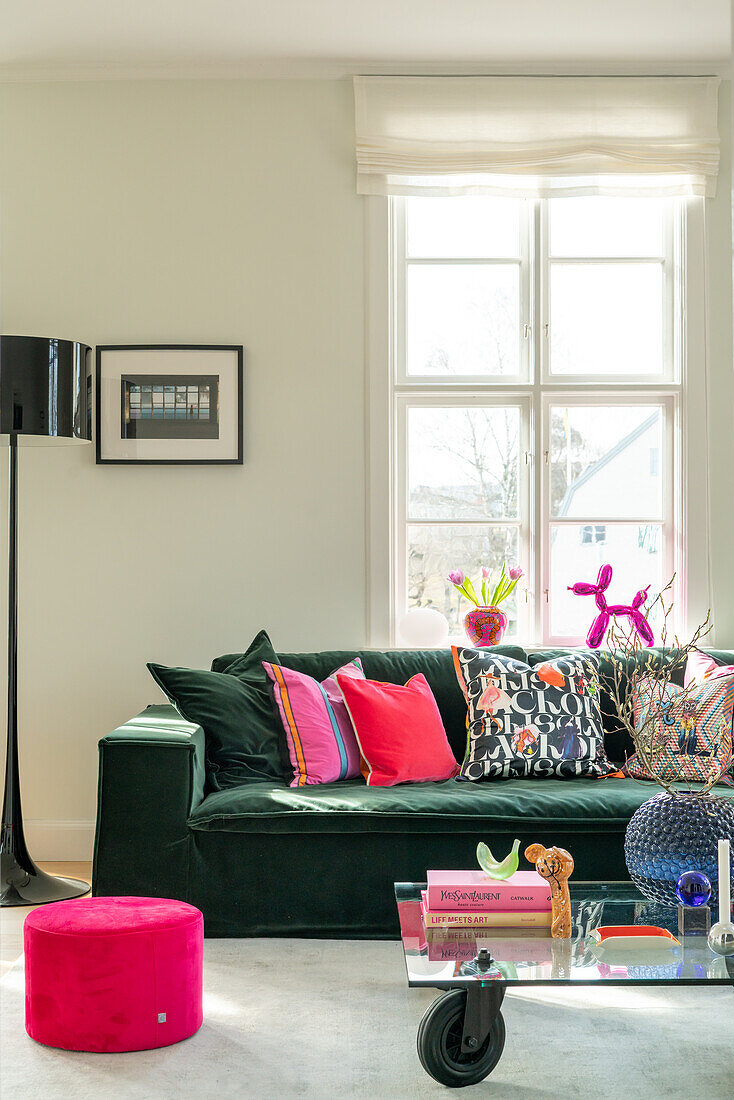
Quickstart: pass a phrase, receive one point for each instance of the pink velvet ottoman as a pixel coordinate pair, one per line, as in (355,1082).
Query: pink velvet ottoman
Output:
(113,974)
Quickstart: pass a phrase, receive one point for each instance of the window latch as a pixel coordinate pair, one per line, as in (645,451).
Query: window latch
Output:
(526,330)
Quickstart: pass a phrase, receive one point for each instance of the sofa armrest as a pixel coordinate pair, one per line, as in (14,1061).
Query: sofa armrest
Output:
(151,775)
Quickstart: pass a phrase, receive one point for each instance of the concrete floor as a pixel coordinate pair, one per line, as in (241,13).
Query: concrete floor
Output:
(329,1019)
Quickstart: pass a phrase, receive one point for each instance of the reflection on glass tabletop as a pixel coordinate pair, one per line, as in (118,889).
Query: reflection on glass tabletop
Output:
(447,958)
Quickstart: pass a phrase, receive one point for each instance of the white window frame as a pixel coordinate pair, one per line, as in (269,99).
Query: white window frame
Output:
(483,398)
(390,390)
(400,263)
(668,401)
(674,233)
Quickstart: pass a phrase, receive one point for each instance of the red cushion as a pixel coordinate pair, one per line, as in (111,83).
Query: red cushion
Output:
(113,974)
(399,729)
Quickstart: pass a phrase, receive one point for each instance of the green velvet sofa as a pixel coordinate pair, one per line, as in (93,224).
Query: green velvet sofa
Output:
(264,859)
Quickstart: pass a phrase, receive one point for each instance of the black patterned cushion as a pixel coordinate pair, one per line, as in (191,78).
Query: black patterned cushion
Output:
(539,721)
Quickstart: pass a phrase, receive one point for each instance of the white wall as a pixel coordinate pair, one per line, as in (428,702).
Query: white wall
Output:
(182,212)
(721,383)
(209,212)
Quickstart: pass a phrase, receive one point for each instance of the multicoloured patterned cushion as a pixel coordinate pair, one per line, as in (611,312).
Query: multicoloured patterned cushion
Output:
(320,741)
(689,731)
(523,720)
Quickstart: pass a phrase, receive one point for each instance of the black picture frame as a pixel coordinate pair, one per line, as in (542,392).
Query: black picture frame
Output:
(238,461)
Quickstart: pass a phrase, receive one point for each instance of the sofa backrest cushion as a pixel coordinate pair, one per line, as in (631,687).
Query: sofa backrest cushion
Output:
(395,666)
(318,665)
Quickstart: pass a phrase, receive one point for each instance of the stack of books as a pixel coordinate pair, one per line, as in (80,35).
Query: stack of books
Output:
(471,900)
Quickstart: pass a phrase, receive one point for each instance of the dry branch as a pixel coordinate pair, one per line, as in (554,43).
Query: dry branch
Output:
(639,673)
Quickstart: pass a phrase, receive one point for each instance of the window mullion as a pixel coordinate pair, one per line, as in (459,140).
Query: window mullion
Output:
(538,518)
(398,251)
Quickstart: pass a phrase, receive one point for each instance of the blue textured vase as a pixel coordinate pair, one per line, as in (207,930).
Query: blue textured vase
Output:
(673,833)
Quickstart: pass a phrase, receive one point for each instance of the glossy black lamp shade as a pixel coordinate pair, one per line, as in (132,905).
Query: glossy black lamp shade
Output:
(45,397)
(45,387)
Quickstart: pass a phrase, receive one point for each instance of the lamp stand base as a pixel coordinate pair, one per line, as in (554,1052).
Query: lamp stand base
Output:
(21,882)
(29,885)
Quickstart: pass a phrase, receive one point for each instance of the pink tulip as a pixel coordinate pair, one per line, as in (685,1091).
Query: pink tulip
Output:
(485,573)
(457,577)
(515,573)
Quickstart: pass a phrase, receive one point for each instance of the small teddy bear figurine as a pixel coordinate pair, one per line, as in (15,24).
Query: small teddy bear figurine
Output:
(555,865)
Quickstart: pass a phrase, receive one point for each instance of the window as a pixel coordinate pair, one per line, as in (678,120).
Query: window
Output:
(535,399)
(594,534)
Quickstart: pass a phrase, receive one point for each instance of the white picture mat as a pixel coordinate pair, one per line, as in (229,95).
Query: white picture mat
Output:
(194,361)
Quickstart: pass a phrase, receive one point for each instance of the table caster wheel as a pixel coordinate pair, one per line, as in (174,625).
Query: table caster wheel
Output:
(439,1043)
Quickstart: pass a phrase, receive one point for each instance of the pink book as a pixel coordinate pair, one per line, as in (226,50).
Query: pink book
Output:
(483,918)
(473,891)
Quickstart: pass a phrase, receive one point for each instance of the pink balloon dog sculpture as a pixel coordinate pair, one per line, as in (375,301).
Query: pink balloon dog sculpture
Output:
(598,628)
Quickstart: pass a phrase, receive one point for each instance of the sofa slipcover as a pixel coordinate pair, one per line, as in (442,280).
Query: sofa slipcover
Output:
(267,859)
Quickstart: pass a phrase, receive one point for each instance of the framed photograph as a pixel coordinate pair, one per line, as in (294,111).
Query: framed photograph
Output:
(170,403)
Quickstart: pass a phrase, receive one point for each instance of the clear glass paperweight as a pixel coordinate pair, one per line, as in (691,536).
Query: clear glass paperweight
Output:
(694,920)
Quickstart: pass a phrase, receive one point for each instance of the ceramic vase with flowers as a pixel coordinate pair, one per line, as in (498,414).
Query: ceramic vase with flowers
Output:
(486,623)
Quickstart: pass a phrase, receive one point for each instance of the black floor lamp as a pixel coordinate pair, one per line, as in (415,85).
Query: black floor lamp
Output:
(45,397)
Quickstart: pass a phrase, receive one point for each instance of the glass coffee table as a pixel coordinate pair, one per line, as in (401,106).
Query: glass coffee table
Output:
(462,1035)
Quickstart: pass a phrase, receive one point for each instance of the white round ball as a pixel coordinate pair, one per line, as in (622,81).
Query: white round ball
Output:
(721,938)
(424,628)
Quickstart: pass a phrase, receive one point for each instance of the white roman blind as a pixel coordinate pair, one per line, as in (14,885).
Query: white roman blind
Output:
(543,136)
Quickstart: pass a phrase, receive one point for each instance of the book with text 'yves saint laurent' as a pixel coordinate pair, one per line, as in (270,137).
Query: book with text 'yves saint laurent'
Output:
(475,891)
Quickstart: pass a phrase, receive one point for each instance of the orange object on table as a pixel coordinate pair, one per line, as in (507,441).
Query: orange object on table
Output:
(644,935)
(555,865)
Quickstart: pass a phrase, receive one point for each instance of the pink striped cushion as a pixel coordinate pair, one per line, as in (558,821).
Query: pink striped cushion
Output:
(321,742)
(700,667)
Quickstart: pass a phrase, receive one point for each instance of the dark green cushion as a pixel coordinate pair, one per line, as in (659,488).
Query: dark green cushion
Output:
(235,711)
(517,805)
